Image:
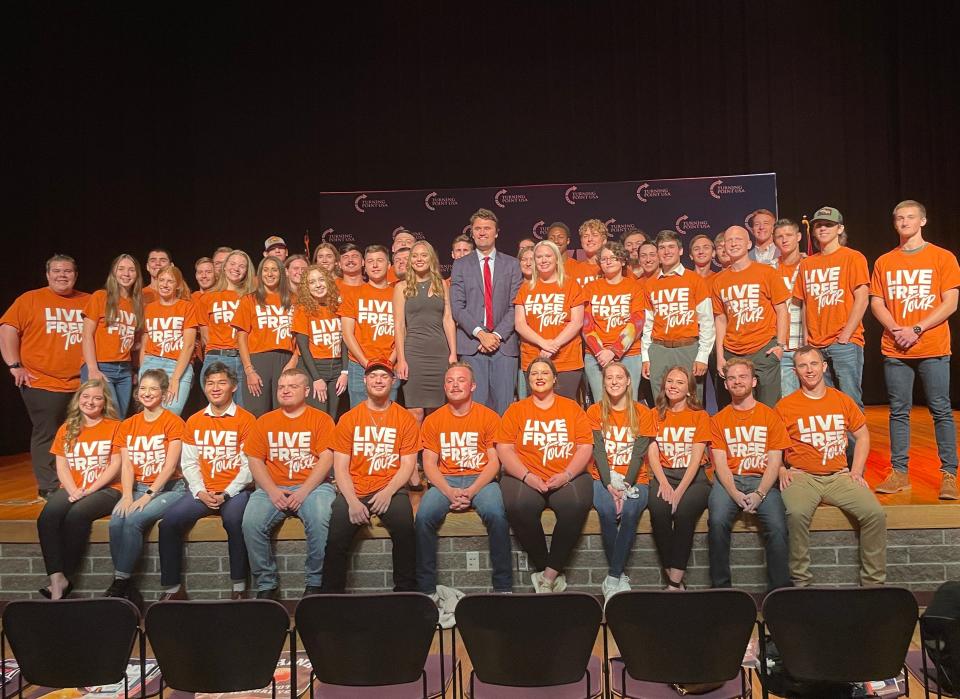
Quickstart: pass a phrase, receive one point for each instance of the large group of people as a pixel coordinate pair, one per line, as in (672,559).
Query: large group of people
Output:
(732,385)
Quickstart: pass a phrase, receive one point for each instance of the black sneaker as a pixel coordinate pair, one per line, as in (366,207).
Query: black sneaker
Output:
(118,588)
(273,593)
(133,594)
(311,590)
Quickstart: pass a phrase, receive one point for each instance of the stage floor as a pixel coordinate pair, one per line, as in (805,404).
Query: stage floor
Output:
(18,494)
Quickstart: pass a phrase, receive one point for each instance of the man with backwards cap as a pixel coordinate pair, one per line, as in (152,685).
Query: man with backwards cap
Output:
(275,246)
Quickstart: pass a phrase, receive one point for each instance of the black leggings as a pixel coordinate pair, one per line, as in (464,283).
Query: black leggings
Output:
(63,527)
(570,503)
(673,531)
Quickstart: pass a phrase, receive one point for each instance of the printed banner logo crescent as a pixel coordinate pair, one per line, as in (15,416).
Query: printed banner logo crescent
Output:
(619,228)
(573,195)
(363,202)
(433,200)
(539,230)
(645,192)
(330,235)
(718,189)
(501,198)
(684,224)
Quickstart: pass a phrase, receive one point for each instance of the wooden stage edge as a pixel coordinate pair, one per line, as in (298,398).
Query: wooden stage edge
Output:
(917,508)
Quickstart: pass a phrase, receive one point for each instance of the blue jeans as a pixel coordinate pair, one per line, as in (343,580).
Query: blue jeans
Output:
(845,363)
(235,364)
(522,391)
(261,518)
(180,518)
(935,375)
(126,531)
(618,538)
(788,375)
(594,374)
(119,378)
(358,389)
(773,518)
(168,366)
(433,509)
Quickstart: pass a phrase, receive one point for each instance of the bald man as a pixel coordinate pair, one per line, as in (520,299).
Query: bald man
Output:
(750,313)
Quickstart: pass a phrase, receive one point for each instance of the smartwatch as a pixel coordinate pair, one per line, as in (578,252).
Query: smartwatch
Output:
(916,329)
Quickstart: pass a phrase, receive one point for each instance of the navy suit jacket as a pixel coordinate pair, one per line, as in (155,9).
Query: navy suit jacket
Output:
(466,301)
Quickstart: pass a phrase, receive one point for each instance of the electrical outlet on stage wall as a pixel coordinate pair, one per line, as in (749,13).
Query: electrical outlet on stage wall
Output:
(473,560)
(521,560)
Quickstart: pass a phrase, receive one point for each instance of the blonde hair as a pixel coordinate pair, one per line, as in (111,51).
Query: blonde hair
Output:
(907,203)
(436,281)
(633,417)
(183,291)
(112,287)
(305,299)
(74,418)
(249,279)
(693,402)
(552,247)
(594,224)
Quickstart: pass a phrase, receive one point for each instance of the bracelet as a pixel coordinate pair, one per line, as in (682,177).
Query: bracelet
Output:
(524,479)
(249,368)
(761,495)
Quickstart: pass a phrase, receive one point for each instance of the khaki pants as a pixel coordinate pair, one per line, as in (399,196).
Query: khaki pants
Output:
(801,498)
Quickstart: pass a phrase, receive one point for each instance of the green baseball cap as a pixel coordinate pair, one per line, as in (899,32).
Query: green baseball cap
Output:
(828,213)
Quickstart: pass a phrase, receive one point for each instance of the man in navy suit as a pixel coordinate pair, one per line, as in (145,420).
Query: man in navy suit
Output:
(483,285)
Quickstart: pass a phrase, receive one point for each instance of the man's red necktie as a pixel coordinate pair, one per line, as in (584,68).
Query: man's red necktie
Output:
(488,292)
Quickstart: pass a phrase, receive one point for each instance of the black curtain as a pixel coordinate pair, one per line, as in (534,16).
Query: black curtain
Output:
(194,125)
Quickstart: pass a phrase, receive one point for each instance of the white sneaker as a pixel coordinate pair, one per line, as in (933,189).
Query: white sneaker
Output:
(540,584)
(610,587)
(624,584)
(560,583)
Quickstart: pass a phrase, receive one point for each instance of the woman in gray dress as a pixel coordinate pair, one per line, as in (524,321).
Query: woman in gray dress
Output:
(424,330)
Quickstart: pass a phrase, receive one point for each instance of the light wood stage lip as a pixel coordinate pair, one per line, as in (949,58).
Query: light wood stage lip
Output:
(917,508)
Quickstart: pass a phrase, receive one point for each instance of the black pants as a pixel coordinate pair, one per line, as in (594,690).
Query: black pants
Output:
(329,371)
(269,366)
(46,410)
(673,531)
(570,504)
(568,384)
(398,519)
(63,527)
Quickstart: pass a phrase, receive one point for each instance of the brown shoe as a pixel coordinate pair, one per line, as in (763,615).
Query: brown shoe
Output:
(180,594)
(948,487)
(238,594)
(894,483)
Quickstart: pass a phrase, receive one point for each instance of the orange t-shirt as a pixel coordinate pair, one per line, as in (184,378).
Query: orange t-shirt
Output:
(147,442)
(461,442)
(91,452)
(911,285)
(115,341)
(618,439)
(581,271)
(322,330)
(372,311)
(545,439)
(392,277)
(219,442)
(678,432)
(612,306)
(674,300)
(825,285)
(375,441)
(818,430)
(289,446)
(50,327)
(547,308)
(747,436)
(216,311)
(267,325)
(164,326)
(747,299)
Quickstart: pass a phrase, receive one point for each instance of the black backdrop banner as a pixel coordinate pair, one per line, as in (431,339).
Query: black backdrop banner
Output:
(688,206)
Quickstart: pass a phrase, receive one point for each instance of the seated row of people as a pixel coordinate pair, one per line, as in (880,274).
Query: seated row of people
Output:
(338,478)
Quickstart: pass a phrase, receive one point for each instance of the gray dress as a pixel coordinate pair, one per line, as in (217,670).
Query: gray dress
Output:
(426,349)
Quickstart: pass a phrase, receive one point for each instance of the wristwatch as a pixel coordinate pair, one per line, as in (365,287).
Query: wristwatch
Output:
(15,365)
(149,492)
(917,329)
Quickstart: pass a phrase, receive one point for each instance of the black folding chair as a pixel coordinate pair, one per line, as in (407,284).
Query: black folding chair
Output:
(839,635)
(72,643)
(938,633)
(218,646)
(376,640)
(529,640)
(665,638)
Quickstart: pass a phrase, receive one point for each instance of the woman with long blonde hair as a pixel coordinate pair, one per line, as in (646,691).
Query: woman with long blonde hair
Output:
(87,466)
(319,337)
(424,330)
(112,322)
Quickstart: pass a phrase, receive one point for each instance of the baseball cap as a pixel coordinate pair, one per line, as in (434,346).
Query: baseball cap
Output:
(828,213)
(273,241)
(379,364)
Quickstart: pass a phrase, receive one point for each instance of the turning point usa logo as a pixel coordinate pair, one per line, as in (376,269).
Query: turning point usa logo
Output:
(330,235)
(684,224)
(718,189)
(362,202)
(573,195)
(501,198)
(539,230)
(433,200)
(646,192)
(620,228)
